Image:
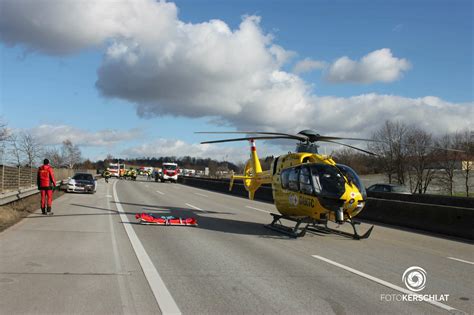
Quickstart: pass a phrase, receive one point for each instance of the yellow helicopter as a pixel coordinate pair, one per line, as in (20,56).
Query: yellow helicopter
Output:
(308,188)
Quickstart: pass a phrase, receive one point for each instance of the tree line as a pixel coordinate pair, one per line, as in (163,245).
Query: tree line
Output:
(406,154)
(411,156)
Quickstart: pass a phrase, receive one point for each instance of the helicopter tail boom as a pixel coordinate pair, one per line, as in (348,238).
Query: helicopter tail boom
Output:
(253,176)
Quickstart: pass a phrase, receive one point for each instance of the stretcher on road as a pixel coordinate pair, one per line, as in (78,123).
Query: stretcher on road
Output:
(149,218)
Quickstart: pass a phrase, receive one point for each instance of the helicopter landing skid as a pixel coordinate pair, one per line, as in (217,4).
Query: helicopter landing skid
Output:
(276,225)
(355,235)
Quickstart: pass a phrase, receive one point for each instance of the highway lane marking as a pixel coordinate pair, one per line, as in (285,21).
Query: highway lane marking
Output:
(384,283)
(190,205)
(161,193)
(461,260)
(257,209)
(163,297)
(200,194)
(121,281)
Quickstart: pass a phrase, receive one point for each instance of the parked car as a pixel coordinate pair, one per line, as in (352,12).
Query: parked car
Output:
(80,182)
(388,188)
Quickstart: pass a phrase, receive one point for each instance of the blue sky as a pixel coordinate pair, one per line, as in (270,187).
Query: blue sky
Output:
(419,69)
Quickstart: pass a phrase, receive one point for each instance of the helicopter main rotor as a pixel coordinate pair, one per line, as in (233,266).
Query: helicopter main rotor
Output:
(307,139)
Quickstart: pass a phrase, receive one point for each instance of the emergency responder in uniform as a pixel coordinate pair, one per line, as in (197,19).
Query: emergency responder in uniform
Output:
(133,174)
(46,184)
(106,175)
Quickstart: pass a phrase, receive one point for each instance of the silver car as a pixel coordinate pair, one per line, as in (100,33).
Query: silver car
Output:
(80,182)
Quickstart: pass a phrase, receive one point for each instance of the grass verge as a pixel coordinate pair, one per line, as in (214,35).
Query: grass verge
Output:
(13,212)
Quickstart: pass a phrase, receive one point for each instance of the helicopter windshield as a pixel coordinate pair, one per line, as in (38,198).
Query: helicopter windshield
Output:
(327,180)
(352,177)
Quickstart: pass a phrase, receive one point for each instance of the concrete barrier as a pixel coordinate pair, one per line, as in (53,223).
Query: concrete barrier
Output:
(451,216)
(442,219)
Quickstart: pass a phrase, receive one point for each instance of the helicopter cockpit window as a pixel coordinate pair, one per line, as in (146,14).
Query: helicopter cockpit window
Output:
(352,177)
(328,180)
(305,181)
(293,179)
(285,178)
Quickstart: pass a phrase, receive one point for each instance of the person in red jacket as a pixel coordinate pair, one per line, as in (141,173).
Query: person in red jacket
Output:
(46,184)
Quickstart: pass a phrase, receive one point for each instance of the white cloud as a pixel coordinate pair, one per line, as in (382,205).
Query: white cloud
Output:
(362,115)
(377,66)
(56,134)
(308,65)
(67,26)
(235,76)
(180,148)
(239,152)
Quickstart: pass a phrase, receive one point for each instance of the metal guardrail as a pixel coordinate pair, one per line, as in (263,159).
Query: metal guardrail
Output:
(20,182)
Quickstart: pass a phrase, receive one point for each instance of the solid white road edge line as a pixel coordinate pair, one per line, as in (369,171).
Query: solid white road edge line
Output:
(161,193)
(162,295)
(127,304)
(257,209)
(461,260)
(383,282)
(200,194)
(194,207)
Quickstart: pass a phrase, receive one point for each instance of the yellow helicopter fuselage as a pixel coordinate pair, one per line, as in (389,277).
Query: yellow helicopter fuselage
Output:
(308,188)
(298,198)
(300,193)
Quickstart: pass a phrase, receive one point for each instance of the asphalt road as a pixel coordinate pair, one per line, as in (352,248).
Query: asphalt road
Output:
(92,257)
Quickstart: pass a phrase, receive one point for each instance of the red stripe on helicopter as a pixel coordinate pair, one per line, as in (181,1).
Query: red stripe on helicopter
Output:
(252,143)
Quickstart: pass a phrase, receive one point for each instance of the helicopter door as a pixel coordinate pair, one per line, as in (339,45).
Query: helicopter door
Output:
(293,179)
(305,181)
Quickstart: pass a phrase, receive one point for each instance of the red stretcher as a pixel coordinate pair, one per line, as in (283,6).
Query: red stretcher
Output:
(148,218)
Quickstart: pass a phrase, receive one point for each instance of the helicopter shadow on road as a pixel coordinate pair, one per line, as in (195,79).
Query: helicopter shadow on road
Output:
(211,223)
(205,221)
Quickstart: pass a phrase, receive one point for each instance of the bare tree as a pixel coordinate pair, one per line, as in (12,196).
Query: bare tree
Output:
(70,153)
(55,157)
(390,149)
(109,158)
(465,142)
(30,147)
(448,161)
(361,163)
(3,131)
(421,171)
(3,138)
(15,149)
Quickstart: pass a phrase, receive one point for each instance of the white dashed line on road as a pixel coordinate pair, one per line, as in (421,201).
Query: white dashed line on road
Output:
(194,207)
(384,283)
(202,195)
(161,193)
(257,209)
(461,260)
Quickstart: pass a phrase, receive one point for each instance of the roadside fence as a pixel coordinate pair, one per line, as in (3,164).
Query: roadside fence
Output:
(14,178)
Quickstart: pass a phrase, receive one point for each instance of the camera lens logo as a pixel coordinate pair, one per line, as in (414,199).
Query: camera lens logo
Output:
(414,278)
